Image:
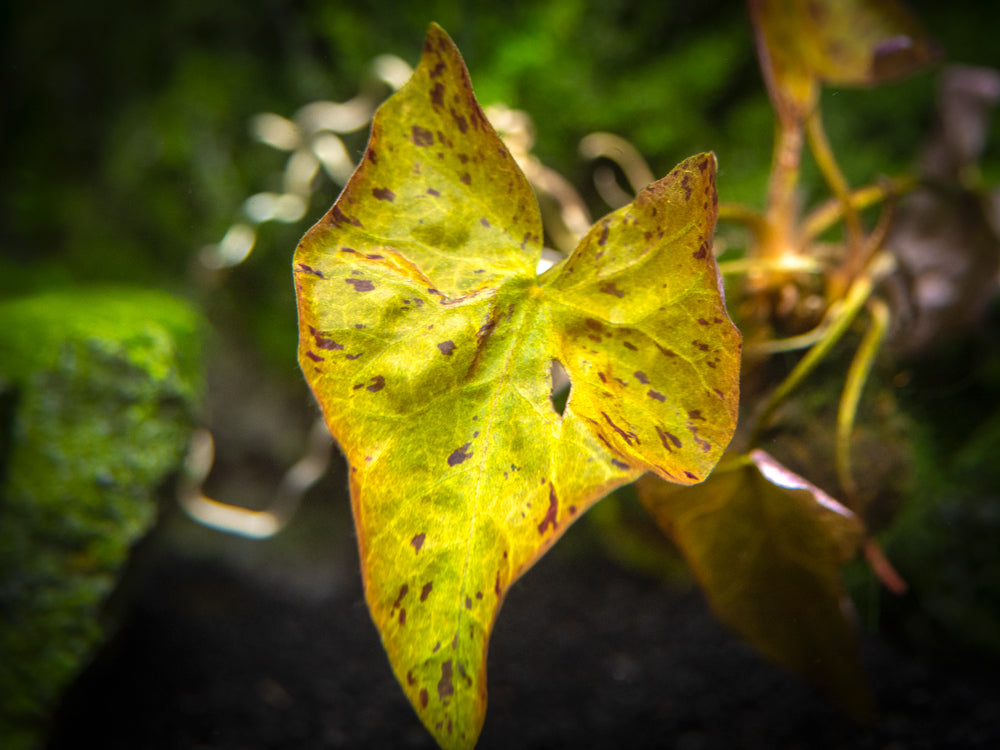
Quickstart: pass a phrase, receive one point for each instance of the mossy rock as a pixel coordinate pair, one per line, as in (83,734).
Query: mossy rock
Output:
(97,395)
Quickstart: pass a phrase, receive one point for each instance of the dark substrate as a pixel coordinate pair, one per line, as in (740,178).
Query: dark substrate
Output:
(585,655)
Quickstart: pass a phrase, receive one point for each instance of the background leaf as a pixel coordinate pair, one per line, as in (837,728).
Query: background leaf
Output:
(803,43)
(767,546)
(428,341)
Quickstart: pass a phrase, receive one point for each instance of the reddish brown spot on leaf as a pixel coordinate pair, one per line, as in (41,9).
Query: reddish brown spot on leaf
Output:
(465,178)
(485,223)
(445,687)
(447,347)
(437,94)
(667,439)
(376,384)
(657,395)
(426,591)
(403,591)
(486,329)
(339,218)
(468,603)
(424,699)
(418,541)
(432,191)
(604,236)
(460,122)
(702,443)
(641,377)
(550,514)
(315,357)
(310,269)
(620,464)
(361,285)
(422,137)
(608,287)
(691,476)
(402,617)
(695,414)
(630,346)
(384,194)
(324,342)
(410,679)
(459,455)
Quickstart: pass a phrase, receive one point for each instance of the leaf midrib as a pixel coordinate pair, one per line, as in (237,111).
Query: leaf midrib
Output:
(531,304)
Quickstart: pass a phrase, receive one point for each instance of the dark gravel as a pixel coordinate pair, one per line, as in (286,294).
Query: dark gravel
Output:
(585,655)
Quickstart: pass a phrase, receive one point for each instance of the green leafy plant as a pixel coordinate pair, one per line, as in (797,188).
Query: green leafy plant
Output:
(433,346)
(429,339)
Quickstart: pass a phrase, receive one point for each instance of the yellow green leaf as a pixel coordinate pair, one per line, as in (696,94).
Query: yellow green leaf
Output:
(428,340)
(803,43)
(767,547)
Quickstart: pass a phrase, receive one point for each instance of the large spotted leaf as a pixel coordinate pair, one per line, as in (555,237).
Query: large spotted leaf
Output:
(428,340)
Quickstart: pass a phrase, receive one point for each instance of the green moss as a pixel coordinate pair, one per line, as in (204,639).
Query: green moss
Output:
(98,391)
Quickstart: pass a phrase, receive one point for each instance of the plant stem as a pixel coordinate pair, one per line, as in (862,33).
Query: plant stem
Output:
(819,144)
(786,263)
(789,344)
(827,214)
(827,163)
(841,315)
(745,216)
(732,462)
(777,239)
(857,375)
(883,569)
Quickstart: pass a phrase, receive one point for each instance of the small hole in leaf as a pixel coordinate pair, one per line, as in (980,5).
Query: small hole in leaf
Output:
(560,386)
